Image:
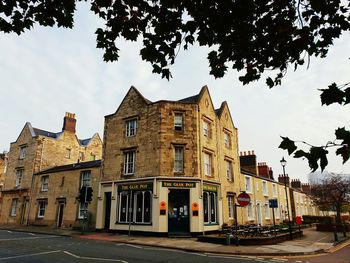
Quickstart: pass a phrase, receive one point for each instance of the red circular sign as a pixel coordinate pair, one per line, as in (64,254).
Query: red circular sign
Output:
(243,199)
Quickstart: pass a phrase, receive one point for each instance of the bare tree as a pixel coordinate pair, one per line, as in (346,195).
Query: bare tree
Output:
(333,193)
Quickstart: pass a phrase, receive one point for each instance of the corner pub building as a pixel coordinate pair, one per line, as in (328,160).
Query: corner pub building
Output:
(169,167)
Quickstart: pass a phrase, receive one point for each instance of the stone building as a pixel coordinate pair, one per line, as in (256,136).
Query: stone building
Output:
(3,168)
(169,167)
(55,195)
(36,150)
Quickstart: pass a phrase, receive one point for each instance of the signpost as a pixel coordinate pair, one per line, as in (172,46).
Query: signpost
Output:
(243,199)
(273,204)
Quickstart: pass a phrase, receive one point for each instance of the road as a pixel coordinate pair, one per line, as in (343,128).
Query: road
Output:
(27,247)
(339,255)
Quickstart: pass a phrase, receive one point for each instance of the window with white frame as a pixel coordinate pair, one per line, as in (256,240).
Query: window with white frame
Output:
(22,152)
(45,183)
(210,207)
(130,127)
(136,207)
(206,129)
(208,164)
(19,177)
(229,173)
(83,210)
(81,156)
(178,122)
(178,159)
(41,208)
(14,207)
(267,210)
(250,213)
(227,140)
(68,153)
(265,189)
(231,206)
(129,162)
(274,190)
(85,178)
(248,184)
(277,212)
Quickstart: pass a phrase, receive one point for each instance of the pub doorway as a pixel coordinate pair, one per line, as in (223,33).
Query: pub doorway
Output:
(178,212)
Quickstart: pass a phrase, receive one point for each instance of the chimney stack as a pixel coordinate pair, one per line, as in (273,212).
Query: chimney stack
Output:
(282,179)
(69,122)
(296,184)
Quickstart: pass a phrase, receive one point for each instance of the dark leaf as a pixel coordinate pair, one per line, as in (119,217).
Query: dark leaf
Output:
(332,95)
(300,153)
(344,152)
(288,145)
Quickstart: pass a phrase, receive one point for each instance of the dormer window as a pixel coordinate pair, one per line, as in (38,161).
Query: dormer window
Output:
(22,152)
(130,127)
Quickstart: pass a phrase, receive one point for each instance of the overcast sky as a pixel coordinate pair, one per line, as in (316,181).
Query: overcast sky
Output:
(48,71)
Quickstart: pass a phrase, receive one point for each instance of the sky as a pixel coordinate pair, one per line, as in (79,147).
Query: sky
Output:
(46,72)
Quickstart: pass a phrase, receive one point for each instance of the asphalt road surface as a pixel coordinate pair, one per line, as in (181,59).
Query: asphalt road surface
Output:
(26,247)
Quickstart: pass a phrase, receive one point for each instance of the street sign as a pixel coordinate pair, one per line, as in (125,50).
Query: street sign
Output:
(243,199)
(273,203)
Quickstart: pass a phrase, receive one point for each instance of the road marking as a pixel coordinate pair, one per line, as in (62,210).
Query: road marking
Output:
(31,255)
(129,245)
(24,238)
(90,258)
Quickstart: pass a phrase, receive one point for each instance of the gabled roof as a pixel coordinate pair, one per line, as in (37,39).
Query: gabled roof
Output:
(38,132)
(69,167)
(192,99)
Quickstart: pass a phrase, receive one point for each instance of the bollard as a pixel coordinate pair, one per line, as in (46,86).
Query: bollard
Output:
(228,239)
(335,234)
(237,241)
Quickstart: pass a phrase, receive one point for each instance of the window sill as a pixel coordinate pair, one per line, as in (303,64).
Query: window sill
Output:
(134,224)
(211,224)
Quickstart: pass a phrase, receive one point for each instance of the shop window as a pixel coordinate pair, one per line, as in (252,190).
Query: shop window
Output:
(130,127)
(210,207)
(45,183)
(137,207)
(178,159)
(129,162)
(178,122)
(41,209)
(14,207)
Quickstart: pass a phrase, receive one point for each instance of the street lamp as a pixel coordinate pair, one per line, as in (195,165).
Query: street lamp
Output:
(283,163)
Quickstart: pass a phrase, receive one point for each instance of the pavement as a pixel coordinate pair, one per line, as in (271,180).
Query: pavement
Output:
(313,242)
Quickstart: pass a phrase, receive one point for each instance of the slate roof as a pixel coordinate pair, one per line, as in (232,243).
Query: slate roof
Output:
(45,133)
(191,99)
(69,167)
(85,142)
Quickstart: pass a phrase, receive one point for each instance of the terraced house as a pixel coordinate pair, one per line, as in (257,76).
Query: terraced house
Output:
(169,167)
(36,150)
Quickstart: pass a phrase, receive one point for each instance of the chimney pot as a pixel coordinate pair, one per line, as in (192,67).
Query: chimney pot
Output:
(69,122)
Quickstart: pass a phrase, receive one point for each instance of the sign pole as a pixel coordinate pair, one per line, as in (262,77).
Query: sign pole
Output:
(130,212)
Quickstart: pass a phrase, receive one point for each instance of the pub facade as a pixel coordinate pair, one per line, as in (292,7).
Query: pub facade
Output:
(169,167)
